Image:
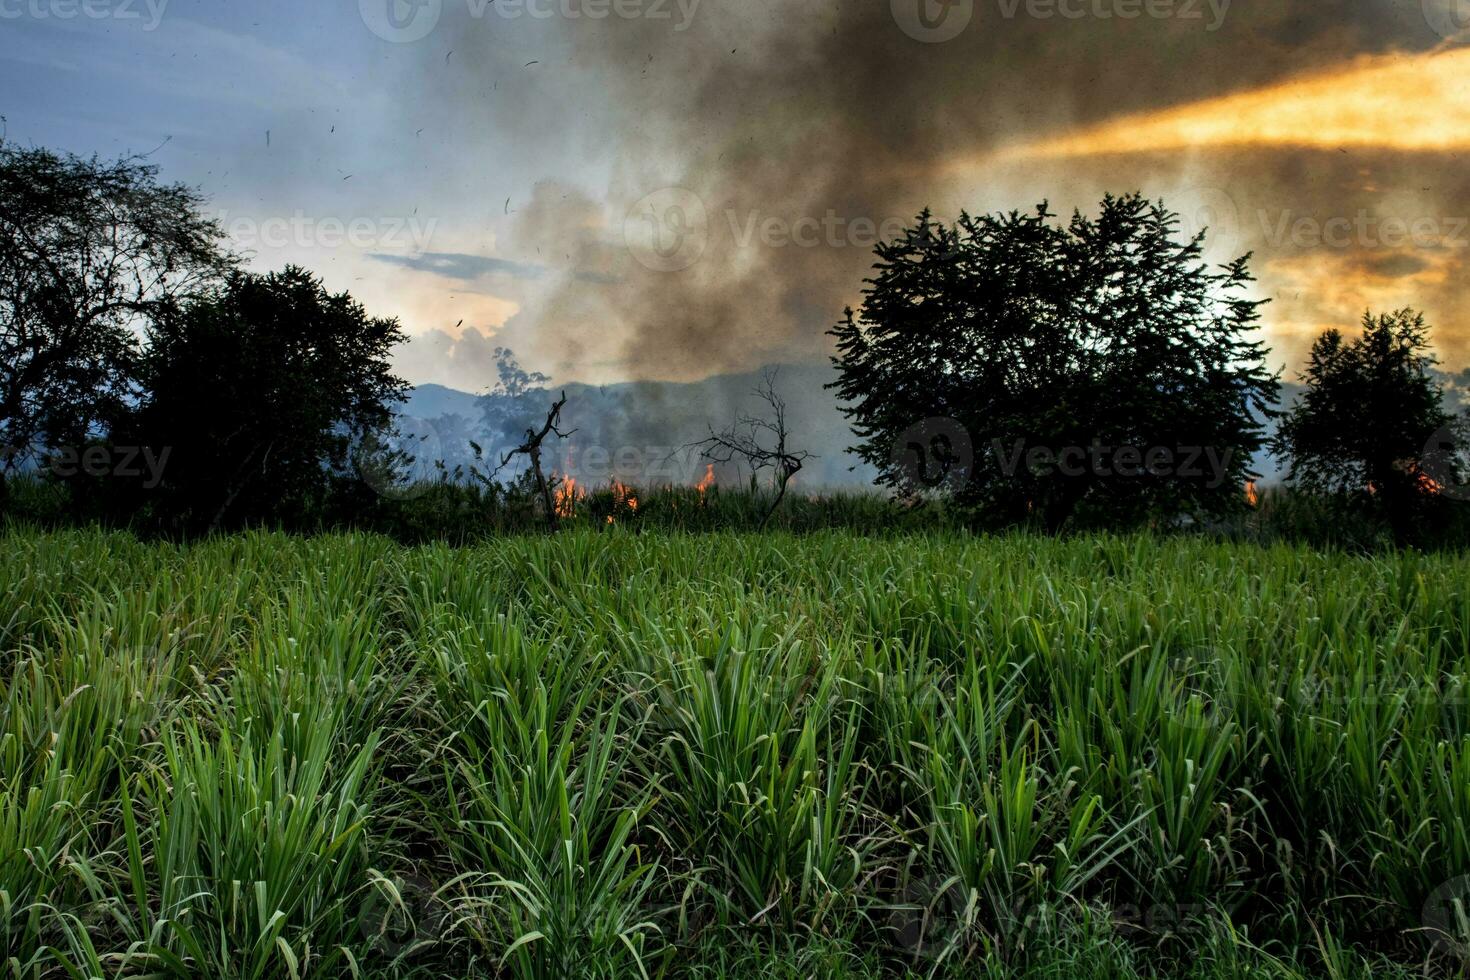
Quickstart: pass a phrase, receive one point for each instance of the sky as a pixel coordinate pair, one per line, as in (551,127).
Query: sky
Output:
(671,189)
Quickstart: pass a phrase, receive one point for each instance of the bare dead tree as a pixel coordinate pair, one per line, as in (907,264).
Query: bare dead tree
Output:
(531,449)
(761,442)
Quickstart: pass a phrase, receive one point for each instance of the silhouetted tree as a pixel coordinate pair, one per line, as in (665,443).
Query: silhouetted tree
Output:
(1367,415)
(89,251)
(512,405)
(1104,340)
(761,442)
(261,393)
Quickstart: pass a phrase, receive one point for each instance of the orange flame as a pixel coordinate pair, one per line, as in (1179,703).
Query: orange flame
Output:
(623,497)
(623,500)
(1423,482)
(566,497)
(708,481)
(1252,495)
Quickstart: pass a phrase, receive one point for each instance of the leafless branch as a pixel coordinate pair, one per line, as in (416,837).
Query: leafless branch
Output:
(761,443)
(531,449)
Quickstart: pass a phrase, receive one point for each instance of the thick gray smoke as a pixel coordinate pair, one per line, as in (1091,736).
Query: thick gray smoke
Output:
(743,157)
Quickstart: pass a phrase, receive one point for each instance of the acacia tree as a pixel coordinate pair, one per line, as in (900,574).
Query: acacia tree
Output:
(1368,415)
(1105,334)
(760,442)
(89,252)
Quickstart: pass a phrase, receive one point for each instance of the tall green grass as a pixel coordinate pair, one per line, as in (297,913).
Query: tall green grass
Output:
(610,754)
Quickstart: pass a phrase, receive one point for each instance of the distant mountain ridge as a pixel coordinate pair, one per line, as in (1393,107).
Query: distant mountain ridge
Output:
(645,420)
(651,420)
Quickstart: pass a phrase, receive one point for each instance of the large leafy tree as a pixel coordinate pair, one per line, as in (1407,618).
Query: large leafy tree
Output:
(89,252)
(1370,409)
(259,395)
(1094,339)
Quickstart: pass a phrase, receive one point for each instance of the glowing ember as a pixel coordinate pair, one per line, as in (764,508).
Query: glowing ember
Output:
(1425,483)
(625,503)
(623,496)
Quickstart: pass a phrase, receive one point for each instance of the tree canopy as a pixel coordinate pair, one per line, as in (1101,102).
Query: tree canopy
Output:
(1368,415)
(90,251)
(262,392)
(1099,365)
